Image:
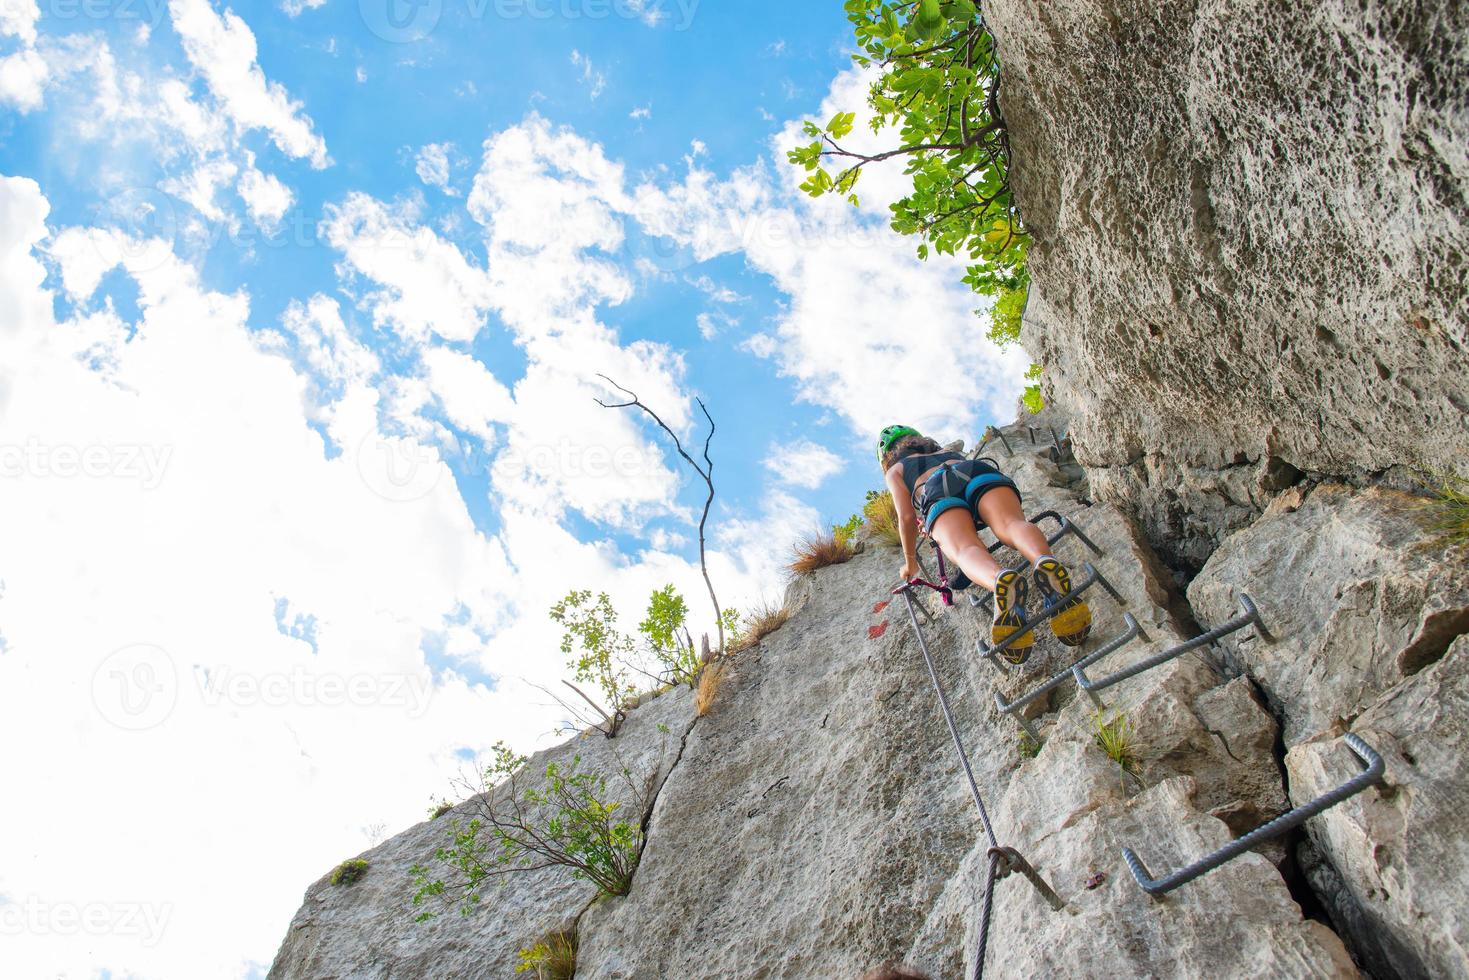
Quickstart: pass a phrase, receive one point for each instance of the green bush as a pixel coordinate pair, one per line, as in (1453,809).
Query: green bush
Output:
(565,822)
(848,530)
(349,872)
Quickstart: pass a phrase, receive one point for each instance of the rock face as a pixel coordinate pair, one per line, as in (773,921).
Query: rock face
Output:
(815,822)
(1250,228)
(1354,592)
(1368,615)
(1395,864)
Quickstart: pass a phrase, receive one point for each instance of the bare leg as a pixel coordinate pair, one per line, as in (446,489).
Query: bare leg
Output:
(954,532)
(1000,509)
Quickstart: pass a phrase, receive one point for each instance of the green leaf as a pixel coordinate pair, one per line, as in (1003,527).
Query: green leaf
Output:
(841,124)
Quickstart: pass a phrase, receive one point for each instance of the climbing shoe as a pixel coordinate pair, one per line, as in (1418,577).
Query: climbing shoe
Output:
(1010,591)
(1074,622)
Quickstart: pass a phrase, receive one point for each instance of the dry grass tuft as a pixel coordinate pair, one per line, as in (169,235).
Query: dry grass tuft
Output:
(553,958)
(759,623)
(819,549)
(882,517)
(709,680)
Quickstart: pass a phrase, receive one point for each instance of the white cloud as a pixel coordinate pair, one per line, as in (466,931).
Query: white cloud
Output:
(222,49)
(361,74)
(428,286)
(432,166)
(294,8)
(803,463)
(641,112)
(717,292)
(265,197)
(23,77)
(595,81)
(650,12)
(18,19)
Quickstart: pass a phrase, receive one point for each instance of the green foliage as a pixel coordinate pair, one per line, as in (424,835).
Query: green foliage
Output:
(846,531)
(882,516)
(1448,512)
(349,872)
(938,87)
(564,821)
(598,652)
(553,958)
(1114,736)
(734,628)
(1029,747)
(668,637)
(439,808)
(1032,394)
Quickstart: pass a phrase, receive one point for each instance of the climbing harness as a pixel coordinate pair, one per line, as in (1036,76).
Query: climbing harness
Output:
(1003,861)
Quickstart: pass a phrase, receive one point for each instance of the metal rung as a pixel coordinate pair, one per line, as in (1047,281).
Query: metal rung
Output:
(1132,631)
(1249,614)
(1157,887)
(989,434)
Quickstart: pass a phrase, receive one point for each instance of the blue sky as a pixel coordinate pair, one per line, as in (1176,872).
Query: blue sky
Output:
(300,321)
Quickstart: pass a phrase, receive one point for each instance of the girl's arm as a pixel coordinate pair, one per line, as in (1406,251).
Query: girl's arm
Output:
(907,521)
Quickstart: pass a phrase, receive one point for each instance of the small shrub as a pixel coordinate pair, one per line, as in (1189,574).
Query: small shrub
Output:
(1447,513)
(820,549)
(566,821)
(882,516)
(760,622)
(708,689)
(440,808)
(349,872)
(1114,737)
(846,532)
(553,958)
(1029,747)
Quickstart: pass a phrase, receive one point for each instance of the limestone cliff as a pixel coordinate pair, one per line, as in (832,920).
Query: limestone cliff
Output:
(1251,224)
(815,822)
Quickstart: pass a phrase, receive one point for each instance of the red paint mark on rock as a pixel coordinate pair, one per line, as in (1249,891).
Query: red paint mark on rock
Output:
(873,632)
(881,606)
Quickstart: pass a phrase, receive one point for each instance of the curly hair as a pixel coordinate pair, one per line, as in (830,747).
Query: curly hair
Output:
(909,446)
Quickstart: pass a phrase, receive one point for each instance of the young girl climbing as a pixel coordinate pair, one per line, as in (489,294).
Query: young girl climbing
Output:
(954,497)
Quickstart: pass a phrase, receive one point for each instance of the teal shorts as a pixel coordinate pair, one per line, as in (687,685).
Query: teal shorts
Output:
(959,484)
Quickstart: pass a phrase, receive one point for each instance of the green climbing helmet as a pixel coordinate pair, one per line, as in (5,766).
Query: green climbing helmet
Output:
(890,436)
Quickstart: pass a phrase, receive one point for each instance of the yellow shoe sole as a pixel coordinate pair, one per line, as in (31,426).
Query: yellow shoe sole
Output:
(1073,624)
